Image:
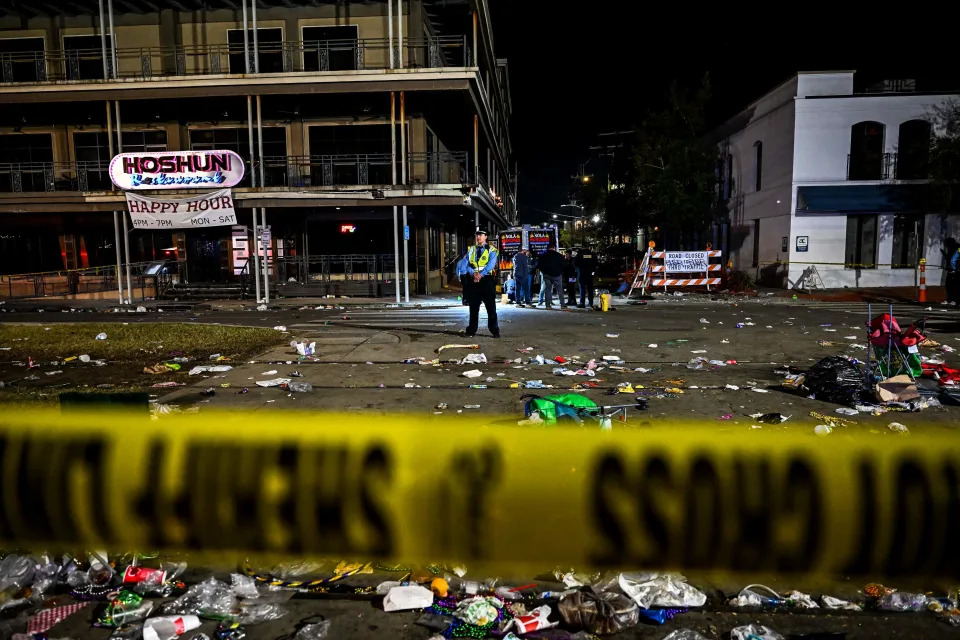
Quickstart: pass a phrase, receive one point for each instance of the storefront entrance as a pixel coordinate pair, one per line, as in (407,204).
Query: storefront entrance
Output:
(207,256)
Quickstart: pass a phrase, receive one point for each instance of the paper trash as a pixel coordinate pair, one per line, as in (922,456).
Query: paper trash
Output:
(409,597)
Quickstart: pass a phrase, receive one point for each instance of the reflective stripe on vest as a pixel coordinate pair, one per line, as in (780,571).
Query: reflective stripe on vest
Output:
(484,257)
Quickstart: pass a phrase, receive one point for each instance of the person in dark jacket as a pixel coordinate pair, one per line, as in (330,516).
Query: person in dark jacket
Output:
(570,278)
(951,262)
(551,268)
(587,267)
(521,272)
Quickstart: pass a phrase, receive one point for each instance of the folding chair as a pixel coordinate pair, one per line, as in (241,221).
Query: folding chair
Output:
(895,349)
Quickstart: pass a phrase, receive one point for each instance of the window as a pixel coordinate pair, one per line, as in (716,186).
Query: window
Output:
(861,249)
(348,142)
(330,48)
(237,140)
(758,165)
(152,140)
(84,57)
(434,247)
(866,160)
(21,60)
(728,178)
(21,155)
(756,243)
(269,46)
(913,152)
(907,241)
(92,152)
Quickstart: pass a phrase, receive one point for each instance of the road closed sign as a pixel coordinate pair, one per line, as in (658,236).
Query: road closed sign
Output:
(685,261)
(212,209)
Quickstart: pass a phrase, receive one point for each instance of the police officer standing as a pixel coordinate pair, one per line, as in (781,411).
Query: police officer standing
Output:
(587,265)
(481,282)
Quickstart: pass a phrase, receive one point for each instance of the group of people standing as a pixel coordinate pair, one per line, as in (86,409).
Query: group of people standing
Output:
(565,274)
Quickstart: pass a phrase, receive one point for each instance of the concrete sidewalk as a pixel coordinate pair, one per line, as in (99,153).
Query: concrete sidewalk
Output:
(445,298)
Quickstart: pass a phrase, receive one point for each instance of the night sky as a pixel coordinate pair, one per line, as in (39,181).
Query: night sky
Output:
(579,69)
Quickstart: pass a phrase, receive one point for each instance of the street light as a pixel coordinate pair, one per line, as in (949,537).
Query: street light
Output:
(596,218)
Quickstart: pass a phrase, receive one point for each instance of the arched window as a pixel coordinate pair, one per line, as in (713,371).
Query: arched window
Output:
(866,160)
(758,165)
(913,150)
(726,177)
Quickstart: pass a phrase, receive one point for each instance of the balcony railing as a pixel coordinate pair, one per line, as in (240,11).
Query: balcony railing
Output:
(440,167)
(214,59)
(54,176)
(874,166)
(333,170)
(889,166)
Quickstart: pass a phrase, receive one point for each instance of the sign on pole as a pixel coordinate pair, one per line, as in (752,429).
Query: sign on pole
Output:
(212,209)
(685,261)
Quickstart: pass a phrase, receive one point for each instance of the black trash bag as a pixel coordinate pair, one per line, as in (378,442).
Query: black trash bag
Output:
(601,613)
(836,379)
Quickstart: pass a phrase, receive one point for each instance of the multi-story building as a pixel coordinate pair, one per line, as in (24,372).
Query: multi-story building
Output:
(826,183)
(345,112)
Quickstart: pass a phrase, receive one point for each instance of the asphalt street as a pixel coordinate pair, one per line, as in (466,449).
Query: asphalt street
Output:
(366,361)
(361,350)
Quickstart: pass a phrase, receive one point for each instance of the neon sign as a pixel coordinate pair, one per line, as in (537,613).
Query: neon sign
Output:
(348,228)
(177,170)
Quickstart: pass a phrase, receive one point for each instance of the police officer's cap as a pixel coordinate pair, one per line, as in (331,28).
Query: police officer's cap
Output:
(481,230)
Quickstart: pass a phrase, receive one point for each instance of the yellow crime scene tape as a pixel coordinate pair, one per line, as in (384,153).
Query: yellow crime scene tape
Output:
(414,489)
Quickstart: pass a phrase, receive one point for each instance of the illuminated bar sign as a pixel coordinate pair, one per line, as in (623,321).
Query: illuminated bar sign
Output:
(177,170)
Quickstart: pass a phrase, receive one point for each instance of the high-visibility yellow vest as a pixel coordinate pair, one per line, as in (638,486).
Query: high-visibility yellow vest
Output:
(484,257)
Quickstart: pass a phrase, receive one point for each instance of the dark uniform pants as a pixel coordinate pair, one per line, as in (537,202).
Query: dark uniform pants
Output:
(466,283)
(484,292)
(586,288)
(571,292)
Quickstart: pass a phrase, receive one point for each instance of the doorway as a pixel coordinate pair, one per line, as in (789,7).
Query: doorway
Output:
(206,254)
(85,57)
(330,48)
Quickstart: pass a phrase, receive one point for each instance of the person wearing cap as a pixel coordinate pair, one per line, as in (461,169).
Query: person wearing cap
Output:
(482,260)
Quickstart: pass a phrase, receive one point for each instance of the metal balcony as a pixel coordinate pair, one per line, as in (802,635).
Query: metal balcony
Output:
(216,59)
(331,170)
(872,166)
(363,169)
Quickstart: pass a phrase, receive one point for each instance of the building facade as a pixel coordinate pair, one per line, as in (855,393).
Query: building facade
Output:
(351,117)
(825,183)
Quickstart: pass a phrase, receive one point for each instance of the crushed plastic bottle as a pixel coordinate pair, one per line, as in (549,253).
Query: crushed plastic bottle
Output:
(316,631)
(903,601)
(754,632)
(299,386)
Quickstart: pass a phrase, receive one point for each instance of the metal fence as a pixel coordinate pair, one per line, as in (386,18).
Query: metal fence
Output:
(359,267)
(436,167)
(81,282)
(16,177)
(215,59)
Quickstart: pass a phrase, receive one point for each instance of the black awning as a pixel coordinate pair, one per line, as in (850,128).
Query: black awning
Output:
(863,199)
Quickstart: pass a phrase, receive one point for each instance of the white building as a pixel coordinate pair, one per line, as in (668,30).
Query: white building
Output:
(824,184)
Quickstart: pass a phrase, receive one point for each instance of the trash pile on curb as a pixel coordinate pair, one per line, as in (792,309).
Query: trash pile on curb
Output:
(153,603)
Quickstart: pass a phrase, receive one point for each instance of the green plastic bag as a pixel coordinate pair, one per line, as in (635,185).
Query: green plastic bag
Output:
(560,406)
